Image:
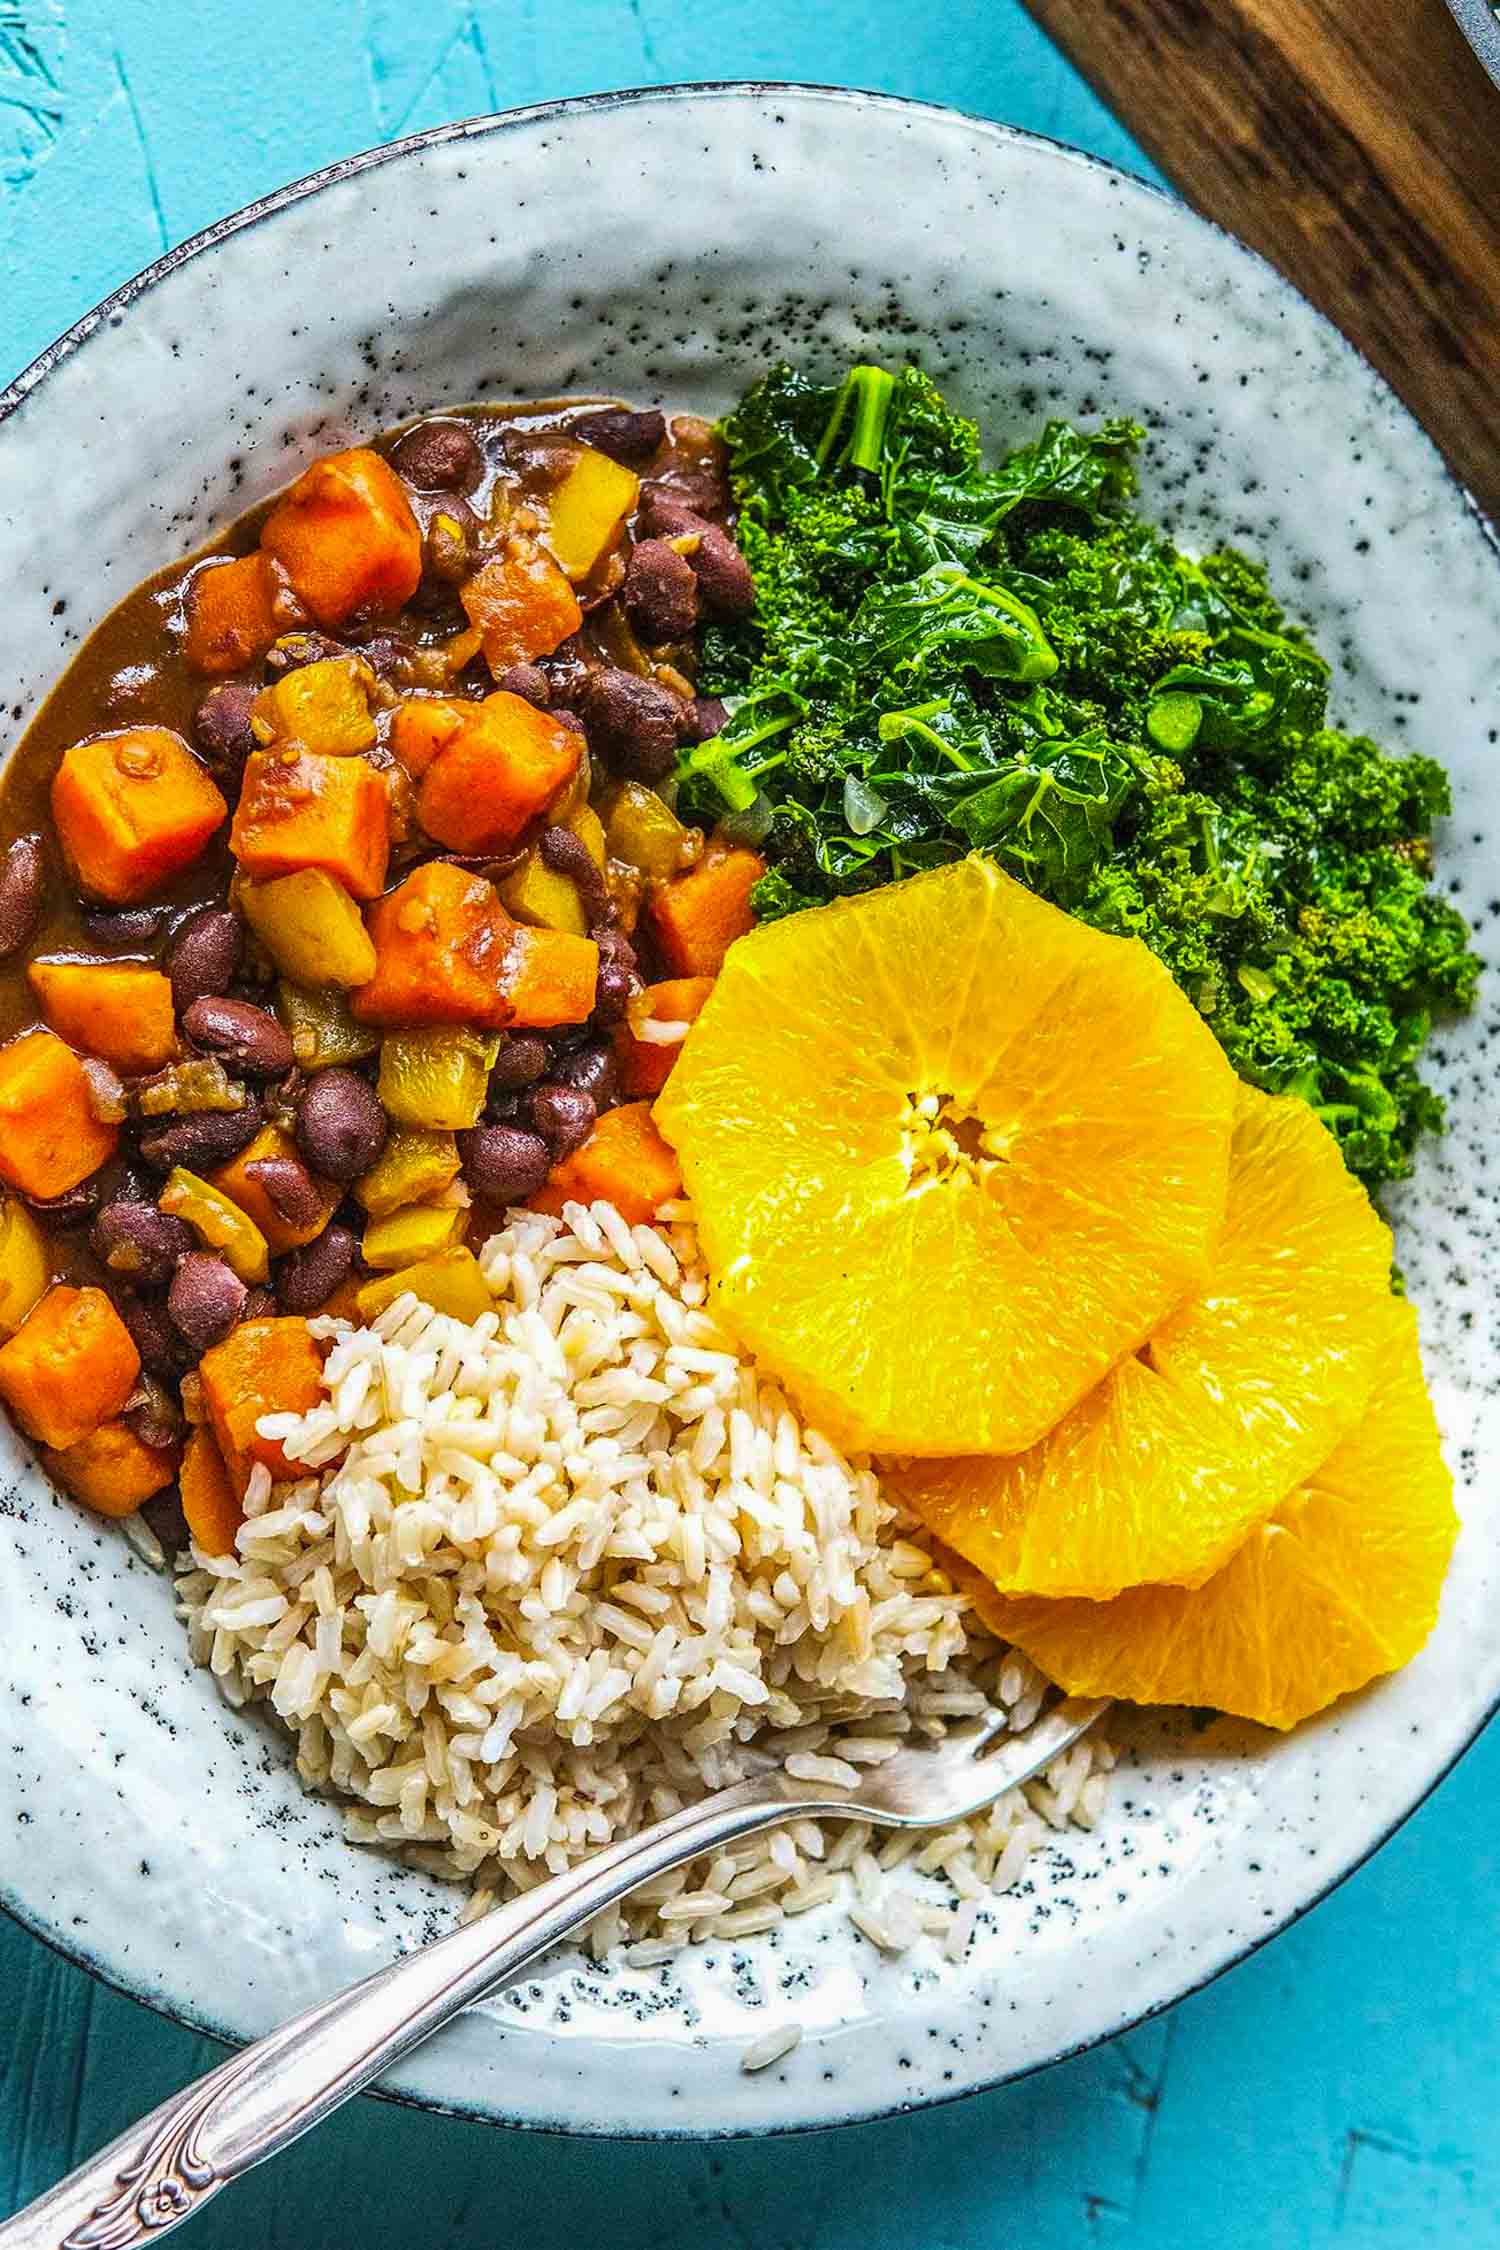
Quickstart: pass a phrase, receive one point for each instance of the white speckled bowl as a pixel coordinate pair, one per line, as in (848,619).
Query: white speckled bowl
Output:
(664,245)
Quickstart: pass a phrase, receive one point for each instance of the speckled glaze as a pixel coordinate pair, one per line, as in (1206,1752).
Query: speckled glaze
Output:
(663,246)
(1481,27)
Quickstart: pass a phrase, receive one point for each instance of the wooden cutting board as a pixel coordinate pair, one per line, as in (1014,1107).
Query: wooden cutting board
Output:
(1357,144)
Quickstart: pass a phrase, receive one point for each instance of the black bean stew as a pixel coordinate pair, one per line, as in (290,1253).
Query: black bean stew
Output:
(342,901)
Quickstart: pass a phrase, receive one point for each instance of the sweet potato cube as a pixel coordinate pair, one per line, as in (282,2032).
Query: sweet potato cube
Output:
(624,1161)
(346,537)
(209,1500)
(442,948)
(69,1367)
(522,605)
(50,1138)
(499,770)
(112,1470)
(120,1010)
(644,1063)
(132,810)
(587,508)
(422,725)
(231,620)
(303,809)
(550,977)
(262,1367)
(697,918)
(238,1180)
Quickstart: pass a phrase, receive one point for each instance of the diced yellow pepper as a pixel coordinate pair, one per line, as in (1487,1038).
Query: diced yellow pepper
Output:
(451,1284)
(586,824)
(311,928)
(218,1222)
(413,1166)
(422,1230)
(642,830)
(25,1268)
(536,893)
(587,508)
(235,1180)
(323,707)
(321,1028)
(436,1078)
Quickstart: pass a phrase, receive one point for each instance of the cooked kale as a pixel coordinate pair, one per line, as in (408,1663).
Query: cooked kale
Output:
(945,656)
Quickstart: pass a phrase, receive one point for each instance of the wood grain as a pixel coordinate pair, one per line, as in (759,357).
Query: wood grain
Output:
(1357,144)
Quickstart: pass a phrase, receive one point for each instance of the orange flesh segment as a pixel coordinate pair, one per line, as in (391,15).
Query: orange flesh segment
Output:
(1341,1585)
(1161,1471)
(991,1123)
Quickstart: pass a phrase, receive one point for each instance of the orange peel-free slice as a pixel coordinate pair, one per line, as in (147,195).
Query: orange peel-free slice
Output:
(953,1155)
(1166,1466)
(1340,1586)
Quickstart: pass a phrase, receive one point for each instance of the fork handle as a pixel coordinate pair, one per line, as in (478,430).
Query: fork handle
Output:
(163,2169)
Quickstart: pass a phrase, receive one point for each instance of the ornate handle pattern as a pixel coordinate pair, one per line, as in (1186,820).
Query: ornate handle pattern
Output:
(164,2168)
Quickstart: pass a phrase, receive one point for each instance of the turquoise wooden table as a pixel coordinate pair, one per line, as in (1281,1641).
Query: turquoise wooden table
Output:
(1336,2089)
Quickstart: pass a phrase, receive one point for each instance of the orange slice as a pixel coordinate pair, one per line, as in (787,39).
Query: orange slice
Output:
(1340,1586)
(953,1154)
(1162,1470)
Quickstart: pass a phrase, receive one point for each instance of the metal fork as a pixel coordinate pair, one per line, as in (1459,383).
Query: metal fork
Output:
(165,2168)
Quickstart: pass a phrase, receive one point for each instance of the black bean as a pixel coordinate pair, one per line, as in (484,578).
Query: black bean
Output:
(591,1067)
(660,593)
(503,1164)
(453,533)
(207,1138)
(204,956)
(529,682)
(699,485)
(618,976)
(562,1115)
(260,1305)
(221,729)
(245,1037)
(74,1208)
(520,1062)
(723,575)
(439,456)
(664,515)
(205,1300)
(163,1511)
(388,657)
(153,1414)
(139,1243)
(341,1127)
(625,436)
(305,1278)
(23,874)
(295,651)
(703,718)
(289,1188)
(631,722)
(126,927)
(153,1335)
(568,854)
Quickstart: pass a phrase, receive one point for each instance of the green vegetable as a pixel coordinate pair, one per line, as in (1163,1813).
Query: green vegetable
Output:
(945,656)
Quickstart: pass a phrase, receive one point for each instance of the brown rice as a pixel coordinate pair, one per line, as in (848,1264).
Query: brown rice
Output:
(557,1573)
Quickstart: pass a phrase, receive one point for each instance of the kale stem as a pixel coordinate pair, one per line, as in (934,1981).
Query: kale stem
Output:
(869,390)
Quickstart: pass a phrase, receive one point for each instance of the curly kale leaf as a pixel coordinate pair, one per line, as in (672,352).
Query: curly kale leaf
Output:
(946,656)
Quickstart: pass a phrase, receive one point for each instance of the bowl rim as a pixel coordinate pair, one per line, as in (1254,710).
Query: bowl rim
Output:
(1480,25)
(491,125)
